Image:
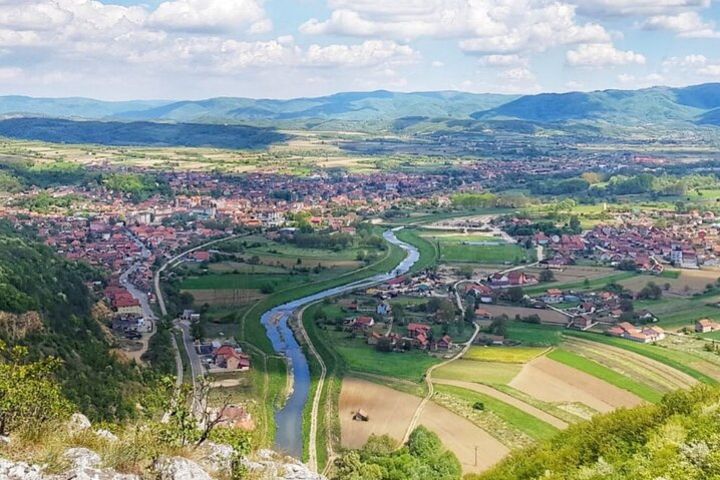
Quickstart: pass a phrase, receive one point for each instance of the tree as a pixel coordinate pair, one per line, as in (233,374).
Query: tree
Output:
(498,326)
(515,294)
(651,291)
(29,395)
(546,276)
(574,224)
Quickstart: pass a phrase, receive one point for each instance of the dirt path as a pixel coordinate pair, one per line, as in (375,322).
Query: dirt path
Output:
(429,382)
(314,413)
(552,381)
(646,370)
(510,400)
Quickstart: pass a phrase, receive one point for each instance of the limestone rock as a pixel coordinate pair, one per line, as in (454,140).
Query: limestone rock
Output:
(178,468)
(78,422)
(18,471)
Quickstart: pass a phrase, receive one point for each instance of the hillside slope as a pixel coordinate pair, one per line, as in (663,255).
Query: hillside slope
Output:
(45,305)
(677,439)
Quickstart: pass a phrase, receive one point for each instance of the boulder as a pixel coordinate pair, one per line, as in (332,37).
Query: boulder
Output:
(178,468)
(216,457)
(78,422)
(18,471)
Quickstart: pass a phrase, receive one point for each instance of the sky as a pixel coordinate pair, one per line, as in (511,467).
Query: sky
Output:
(193,49)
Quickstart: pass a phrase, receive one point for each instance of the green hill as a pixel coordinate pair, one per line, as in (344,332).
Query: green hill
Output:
(676,439)
(46,306)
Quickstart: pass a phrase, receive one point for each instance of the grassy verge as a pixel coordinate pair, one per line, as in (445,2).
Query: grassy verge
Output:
(526,423)
(603,373)
(429,254)
(183,355)
(672,358)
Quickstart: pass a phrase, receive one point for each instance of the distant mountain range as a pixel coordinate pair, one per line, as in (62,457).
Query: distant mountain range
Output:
(421,112)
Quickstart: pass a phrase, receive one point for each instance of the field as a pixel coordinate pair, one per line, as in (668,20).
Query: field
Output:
(643,370)
(551,381)
(687,283)
(498,396)
(503,354)
(485,248)
(687,363)
(547,316)
(512,416)
(490,373)
(610,376)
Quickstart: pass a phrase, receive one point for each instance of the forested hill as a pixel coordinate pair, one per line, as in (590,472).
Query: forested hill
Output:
(677,439)
(45,305)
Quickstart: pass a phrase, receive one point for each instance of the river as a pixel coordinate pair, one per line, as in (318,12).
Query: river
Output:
(288,438)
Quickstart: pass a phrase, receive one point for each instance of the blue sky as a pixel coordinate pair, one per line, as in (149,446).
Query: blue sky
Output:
(124,49)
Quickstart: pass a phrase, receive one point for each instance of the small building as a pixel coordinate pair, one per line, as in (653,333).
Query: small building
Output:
(706,326)
(361,416)
(362,322)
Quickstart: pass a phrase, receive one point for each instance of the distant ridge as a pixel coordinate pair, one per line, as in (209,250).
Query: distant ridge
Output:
(696,106)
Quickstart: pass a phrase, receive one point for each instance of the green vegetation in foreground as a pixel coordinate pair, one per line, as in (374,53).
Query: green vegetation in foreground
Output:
(673,439)
(254,332)
(603,373)
(672,358)
(526,423)
(423,457)
(429,254)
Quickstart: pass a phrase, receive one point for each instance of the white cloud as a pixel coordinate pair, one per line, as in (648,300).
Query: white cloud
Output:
(502,60)
(641,81)
(484,26)
(602,55)
(371,52)
(519,74)
(688,61)
(607,8)
(210,15)
(686,24)
(437,64)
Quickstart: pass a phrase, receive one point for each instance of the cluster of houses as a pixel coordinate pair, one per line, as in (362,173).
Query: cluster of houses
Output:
(223,357)
(628,331)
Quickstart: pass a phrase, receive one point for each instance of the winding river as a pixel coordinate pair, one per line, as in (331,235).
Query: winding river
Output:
(289,421)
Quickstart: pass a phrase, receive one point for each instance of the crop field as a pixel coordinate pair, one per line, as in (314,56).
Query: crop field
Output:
(226,297)
(576,273)
(491,373)
(389,411)
(492,395)
(551,381)
(685,362)
(642,370)
(688,282)
(487,254)
(547,316)
(503,354)
(534,335)
(603,373)
(240,281)
(465,439)
(512,416)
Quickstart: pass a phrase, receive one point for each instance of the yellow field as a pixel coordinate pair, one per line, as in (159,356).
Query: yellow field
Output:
(503,354)
(493,373)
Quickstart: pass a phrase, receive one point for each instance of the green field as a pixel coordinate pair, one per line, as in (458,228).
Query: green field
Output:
(581,285)
(526,423)
(603,373)
(673,358)
(534,335)
(240,281)
(429,254)
(485,254)
(491,373)
(503,354)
